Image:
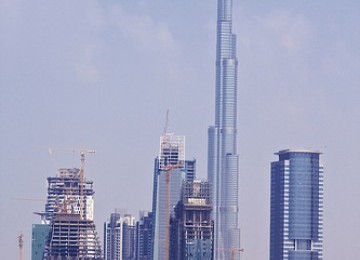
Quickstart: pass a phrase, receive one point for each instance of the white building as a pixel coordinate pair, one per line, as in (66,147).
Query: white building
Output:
(119,237)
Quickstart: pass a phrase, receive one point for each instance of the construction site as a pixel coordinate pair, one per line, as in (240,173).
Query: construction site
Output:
(192,230)
(71,237)
(67,230)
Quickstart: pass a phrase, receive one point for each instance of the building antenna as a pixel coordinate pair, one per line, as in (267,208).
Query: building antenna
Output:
(164,141)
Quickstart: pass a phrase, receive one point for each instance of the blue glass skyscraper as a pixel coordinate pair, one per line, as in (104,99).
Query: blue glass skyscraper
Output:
(223,160)
(167,189)
(296,222)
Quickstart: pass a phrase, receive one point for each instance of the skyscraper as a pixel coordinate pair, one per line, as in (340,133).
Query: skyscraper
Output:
(167,189)
(119,237)
(144,239)
(170,171)
(296,222)
(70,211)
(223,159)
(191,226)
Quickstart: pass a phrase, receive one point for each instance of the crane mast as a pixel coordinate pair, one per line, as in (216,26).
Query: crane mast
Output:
(21,245)
(81,177)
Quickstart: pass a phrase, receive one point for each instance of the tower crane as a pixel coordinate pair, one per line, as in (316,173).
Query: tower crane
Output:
(232,251)
(28,199)
(81,176)
(167,167)
(21,245)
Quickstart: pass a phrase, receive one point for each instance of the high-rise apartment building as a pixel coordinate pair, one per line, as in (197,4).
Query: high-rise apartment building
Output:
(119,237)
(191,225)
(129,238)
(296,222)
(170,171)
(144,239)
(223,159)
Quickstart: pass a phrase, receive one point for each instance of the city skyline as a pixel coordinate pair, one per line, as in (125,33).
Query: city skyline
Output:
(78,84)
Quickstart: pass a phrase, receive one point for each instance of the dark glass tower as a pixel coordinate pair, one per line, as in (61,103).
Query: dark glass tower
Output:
(222,156)
(296,222)
(144,237)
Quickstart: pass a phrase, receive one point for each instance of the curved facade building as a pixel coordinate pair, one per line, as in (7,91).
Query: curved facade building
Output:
(222,155)
(296,224)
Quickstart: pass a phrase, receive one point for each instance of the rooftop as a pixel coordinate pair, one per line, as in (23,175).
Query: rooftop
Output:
(281,152)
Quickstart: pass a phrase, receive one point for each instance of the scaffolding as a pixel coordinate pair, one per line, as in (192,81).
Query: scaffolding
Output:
(67,194)
(172,150)
(72,238)
(192,228)
(69,212)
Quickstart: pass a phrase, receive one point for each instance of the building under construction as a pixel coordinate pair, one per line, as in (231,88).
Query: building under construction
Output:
(192,229)
(65,194)
(70,212)
(72,238)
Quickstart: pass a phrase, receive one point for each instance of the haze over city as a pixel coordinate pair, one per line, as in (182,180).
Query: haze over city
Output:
(102,74)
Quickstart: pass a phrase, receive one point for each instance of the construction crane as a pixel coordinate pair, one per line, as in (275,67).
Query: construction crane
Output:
(81,176)
(232,251)
(166,165)
(21,245)
(168,169)
(164,141)
(28,199)
(163,166)
(68,201)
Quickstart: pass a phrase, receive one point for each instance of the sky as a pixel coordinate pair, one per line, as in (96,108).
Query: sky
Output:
(101,75)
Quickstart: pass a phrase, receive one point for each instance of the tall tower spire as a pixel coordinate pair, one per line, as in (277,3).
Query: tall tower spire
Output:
(222,156)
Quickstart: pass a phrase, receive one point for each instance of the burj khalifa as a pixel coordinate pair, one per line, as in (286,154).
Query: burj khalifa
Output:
(223,160)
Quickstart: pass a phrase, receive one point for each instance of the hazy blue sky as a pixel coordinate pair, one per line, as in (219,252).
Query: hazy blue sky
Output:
(101,74)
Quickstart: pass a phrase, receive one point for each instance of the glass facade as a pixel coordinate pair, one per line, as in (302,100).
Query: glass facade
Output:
(40,233)
(144,237)
(296,224)
(222,156)
(171,169)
